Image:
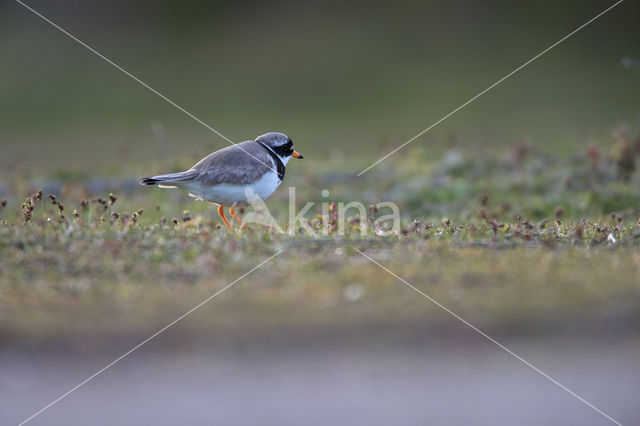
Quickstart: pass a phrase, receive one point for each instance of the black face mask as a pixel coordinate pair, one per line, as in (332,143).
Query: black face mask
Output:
(285,150)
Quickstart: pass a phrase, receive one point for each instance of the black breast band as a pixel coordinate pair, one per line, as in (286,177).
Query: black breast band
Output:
(277,160)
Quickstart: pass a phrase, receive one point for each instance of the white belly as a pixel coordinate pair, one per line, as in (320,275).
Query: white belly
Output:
(229,194)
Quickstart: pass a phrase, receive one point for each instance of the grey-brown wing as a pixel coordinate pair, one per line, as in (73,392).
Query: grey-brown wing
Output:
(242,164)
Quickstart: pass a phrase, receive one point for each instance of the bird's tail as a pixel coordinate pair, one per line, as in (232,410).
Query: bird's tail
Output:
(169,180)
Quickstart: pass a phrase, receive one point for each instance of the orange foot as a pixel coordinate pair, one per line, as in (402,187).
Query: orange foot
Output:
(221,213)
(232,211)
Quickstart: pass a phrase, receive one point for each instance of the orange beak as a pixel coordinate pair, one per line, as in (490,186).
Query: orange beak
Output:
(297,155)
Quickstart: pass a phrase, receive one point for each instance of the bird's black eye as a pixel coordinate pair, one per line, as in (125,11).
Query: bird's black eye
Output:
(284,150)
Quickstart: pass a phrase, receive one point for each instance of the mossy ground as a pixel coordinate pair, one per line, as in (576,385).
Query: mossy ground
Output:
(520,243)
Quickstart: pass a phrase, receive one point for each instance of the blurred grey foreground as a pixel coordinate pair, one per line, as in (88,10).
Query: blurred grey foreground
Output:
(438,381)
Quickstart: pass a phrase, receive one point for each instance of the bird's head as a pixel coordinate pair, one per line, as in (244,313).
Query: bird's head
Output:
(280,144)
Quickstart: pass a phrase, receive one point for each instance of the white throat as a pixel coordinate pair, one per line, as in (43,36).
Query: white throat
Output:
(284,160)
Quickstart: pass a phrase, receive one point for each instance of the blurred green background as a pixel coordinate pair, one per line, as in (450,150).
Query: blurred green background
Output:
(341,79)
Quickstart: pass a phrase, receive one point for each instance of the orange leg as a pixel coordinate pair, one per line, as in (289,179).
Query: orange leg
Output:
(232,211)
(221,213)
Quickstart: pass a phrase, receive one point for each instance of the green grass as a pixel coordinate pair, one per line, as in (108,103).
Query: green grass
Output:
(518,242)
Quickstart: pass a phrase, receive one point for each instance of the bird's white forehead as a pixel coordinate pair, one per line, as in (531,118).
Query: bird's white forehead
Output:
(273,139)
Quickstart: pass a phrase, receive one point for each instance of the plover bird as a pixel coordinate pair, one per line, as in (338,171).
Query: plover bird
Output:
(227,176)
